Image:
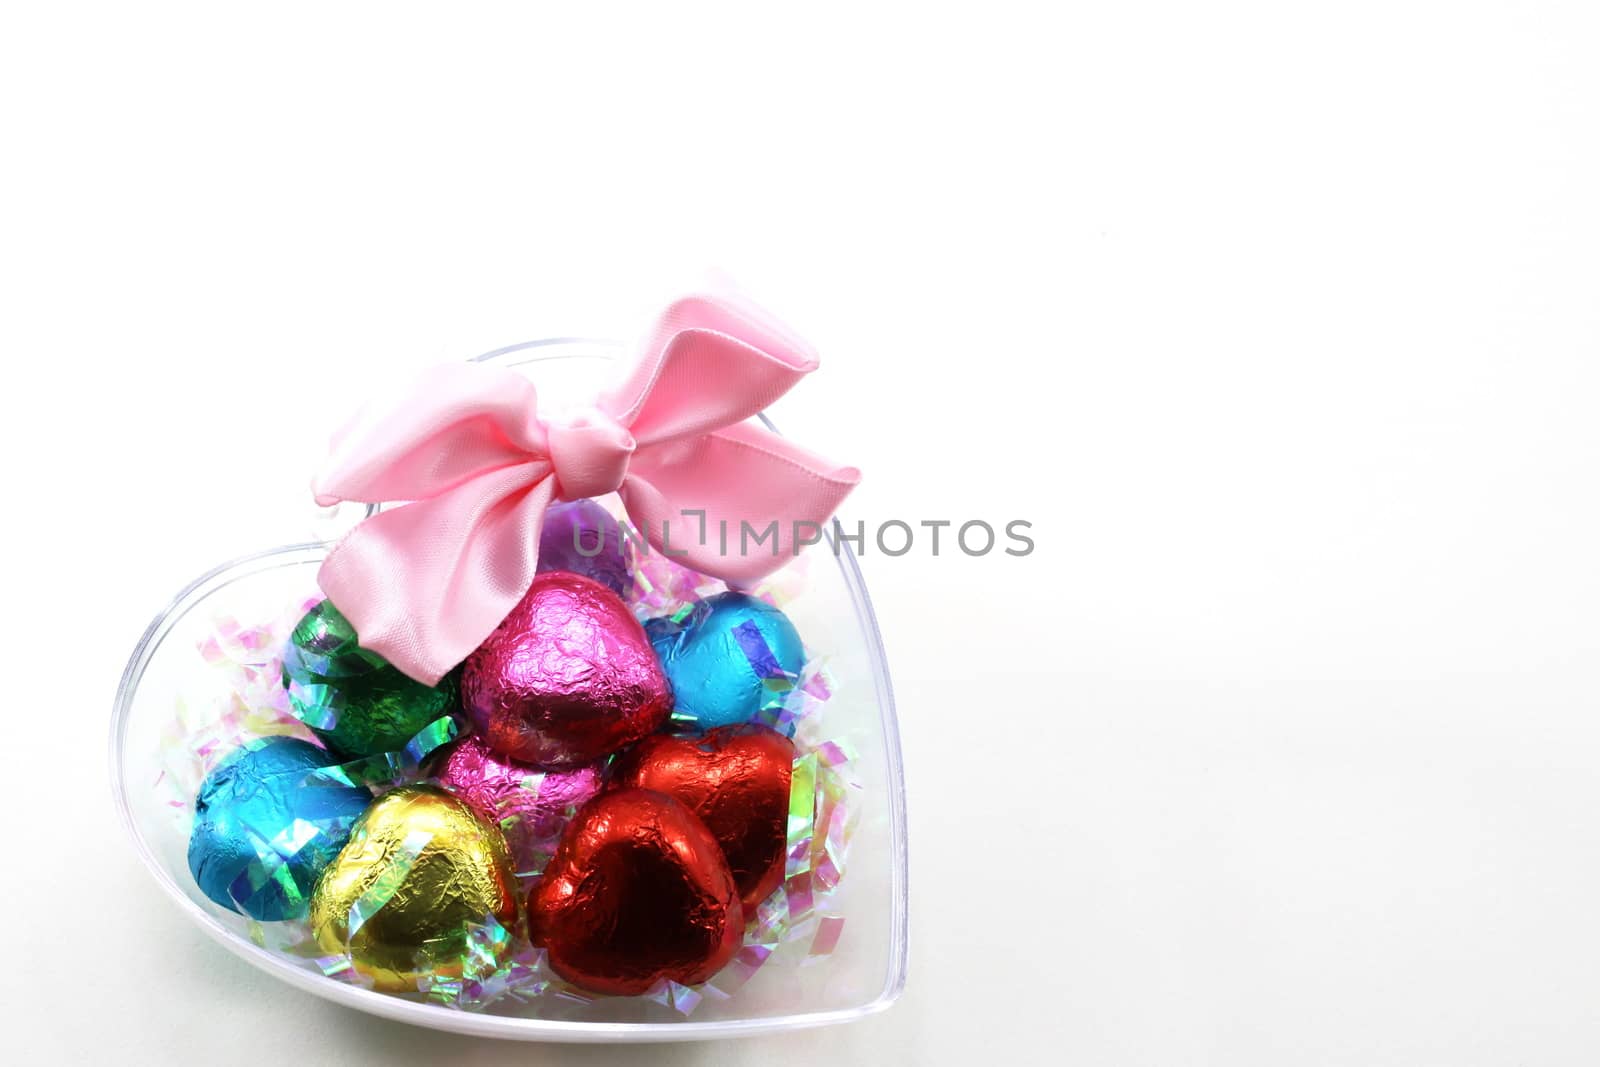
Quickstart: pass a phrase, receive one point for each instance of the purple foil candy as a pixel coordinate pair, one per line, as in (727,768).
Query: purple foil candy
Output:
(583,538)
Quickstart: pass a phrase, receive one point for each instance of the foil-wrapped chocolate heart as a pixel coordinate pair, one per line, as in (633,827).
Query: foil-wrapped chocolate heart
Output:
(584,538)
(421,873)
(736,779)
(529,805)
(568,677)
(637,891)
(729,660)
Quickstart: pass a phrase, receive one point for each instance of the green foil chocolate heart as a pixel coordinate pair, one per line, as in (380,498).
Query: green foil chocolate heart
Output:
(355,700)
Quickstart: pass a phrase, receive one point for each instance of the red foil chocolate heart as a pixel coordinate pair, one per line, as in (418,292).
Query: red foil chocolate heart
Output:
(637,891)
(736,778)
(567,677)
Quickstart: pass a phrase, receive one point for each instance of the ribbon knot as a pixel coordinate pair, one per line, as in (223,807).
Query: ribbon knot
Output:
(590,453)
(474,465)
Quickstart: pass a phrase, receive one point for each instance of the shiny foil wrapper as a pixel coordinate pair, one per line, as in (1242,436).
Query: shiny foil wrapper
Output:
(582,537)
(353,699)
(730,658)
(422,883)
(638,891)
(267,821)
(567,678)
(531,806)
(737,780)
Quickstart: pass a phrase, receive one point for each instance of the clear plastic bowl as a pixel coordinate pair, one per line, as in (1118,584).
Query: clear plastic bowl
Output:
(864,973)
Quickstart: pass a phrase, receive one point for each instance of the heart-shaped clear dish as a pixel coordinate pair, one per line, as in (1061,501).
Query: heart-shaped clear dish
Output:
(850,965)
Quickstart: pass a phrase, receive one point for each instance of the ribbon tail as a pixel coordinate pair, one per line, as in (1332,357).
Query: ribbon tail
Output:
(424,583)
(736,504)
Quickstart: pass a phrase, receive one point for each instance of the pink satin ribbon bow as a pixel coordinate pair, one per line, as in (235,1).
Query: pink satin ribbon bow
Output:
(424,583)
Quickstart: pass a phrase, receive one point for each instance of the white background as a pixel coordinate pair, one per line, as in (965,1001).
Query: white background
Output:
(1278,321)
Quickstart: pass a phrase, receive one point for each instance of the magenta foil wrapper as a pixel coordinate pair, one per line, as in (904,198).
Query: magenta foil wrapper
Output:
(567,678)
(531,805)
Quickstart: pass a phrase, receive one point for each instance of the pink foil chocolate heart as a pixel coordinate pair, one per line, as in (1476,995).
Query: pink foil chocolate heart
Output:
(567,677)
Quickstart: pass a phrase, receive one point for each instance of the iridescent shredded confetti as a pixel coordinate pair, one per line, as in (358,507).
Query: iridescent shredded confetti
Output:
(828,930)
(662,586)
(248,661)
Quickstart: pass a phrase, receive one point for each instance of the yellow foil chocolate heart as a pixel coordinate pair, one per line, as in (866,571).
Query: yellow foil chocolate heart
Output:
(414,889)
